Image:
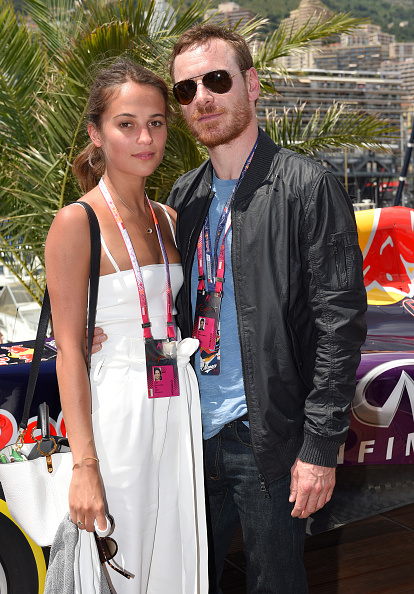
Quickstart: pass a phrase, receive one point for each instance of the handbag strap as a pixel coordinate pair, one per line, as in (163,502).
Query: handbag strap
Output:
(46,311)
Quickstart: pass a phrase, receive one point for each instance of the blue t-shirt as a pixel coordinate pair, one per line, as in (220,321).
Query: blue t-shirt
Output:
(222,396)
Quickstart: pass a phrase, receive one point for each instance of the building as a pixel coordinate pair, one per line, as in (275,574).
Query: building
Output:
(365,49)
(367,34)
(406,70)
(401,51)
(368,91)
(351,57)
(308,12)
(229,14)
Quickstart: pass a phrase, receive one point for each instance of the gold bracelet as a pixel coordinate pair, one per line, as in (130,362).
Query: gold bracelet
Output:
(87,458)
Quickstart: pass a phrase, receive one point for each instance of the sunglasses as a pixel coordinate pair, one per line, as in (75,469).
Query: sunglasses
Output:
(107,549)
(217,81)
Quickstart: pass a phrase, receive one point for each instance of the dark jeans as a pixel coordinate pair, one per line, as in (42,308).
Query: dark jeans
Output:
(273,540)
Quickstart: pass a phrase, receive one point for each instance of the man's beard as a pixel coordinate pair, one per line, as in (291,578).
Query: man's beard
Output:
(211,133)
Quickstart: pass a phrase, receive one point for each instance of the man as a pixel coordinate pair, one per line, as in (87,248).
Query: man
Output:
(278,375)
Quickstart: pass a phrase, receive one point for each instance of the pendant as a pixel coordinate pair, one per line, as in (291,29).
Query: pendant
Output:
(149,230)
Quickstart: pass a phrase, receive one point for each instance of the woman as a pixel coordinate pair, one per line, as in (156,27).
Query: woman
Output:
(138,456)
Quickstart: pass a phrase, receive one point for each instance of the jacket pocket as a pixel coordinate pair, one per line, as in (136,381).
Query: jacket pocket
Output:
(341,266)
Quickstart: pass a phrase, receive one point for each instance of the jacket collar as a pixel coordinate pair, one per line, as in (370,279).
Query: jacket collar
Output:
(257,172)
(260,166)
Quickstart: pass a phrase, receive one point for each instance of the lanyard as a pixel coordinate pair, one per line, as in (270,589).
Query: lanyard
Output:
(224,223)
(135,266)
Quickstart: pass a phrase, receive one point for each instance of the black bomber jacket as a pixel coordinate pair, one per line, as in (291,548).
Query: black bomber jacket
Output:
(300,300)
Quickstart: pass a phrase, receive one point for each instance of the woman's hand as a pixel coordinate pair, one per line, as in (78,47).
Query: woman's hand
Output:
(86,496)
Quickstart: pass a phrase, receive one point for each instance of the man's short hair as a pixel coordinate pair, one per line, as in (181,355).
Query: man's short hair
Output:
(201,34)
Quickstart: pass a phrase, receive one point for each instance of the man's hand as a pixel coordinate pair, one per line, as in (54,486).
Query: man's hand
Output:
(310,488)
(98,338)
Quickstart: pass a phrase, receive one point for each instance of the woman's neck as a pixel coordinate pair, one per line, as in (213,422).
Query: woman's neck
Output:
(129,193)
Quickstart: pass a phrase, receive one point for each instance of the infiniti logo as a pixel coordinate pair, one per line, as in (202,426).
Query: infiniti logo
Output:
(382,416)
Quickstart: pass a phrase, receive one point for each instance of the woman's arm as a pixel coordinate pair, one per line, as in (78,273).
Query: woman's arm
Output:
(67,257)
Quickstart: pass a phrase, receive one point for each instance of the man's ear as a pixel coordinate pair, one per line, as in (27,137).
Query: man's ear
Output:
(253,85)
(94,135)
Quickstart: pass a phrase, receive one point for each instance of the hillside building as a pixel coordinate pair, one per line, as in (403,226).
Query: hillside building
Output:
(351,57)
(365,49)
(407,75)
(229,14)
(367,91)
(367,34)
(308,11)
(401,51)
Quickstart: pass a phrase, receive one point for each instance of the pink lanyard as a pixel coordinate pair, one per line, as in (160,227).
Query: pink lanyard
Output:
(135,266)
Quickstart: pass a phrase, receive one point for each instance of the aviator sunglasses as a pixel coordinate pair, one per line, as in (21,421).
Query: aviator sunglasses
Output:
(217,81)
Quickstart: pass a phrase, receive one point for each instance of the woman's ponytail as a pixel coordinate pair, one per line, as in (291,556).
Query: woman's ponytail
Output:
(89,167)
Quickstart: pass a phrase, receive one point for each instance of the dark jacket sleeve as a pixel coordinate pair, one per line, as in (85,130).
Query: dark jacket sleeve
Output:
(172,197)
(333,269)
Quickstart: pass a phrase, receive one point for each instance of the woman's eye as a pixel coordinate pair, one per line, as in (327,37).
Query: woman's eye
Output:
(125,124)
(156,123)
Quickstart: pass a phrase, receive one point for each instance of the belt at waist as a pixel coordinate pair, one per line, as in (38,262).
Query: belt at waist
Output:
(132,350)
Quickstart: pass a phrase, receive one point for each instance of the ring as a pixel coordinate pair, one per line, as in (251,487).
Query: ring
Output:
(79,523)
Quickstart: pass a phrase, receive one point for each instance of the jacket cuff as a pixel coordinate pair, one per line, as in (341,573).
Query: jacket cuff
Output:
(319,450)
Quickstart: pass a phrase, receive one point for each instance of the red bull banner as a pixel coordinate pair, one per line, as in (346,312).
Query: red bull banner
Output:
(382,412)
(387,244)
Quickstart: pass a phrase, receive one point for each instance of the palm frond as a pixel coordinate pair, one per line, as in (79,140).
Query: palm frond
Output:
(286,41)
(58,22)
(21,67)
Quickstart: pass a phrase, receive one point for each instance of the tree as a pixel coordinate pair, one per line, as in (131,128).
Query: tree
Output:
(45,71)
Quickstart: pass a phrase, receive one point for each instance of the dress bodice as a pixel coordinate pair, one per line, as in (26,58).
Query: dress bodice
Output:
(118,308)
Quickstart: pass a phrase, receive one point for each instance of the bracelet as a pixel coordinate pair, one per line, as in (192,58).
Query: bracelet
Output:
(87,458)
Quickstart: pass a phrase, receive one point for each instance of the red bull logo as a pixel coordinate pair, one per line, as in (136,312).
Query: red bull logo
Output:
(387,244)
(9,429)
(15,353)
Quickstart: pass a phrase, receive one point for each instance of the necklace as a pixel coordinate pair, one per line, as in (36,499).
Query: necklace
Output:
(148,229)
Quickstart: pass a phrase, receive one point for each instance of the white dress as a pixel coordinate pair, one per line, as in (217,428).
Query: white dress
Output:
(150,450)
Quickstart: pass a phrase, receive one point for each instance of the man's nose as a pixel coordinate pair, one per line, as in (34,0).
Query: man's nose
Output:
(203,95)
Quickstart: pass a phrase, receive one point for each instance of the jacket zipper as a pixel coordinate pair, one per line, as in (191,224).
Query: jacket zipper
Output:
(335,251)
(264,487)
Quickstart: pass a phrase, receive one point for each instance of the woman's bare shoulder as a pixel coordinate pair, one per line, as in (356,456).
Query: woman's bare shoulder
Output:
(72,219)
(70,227)
(171,212)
